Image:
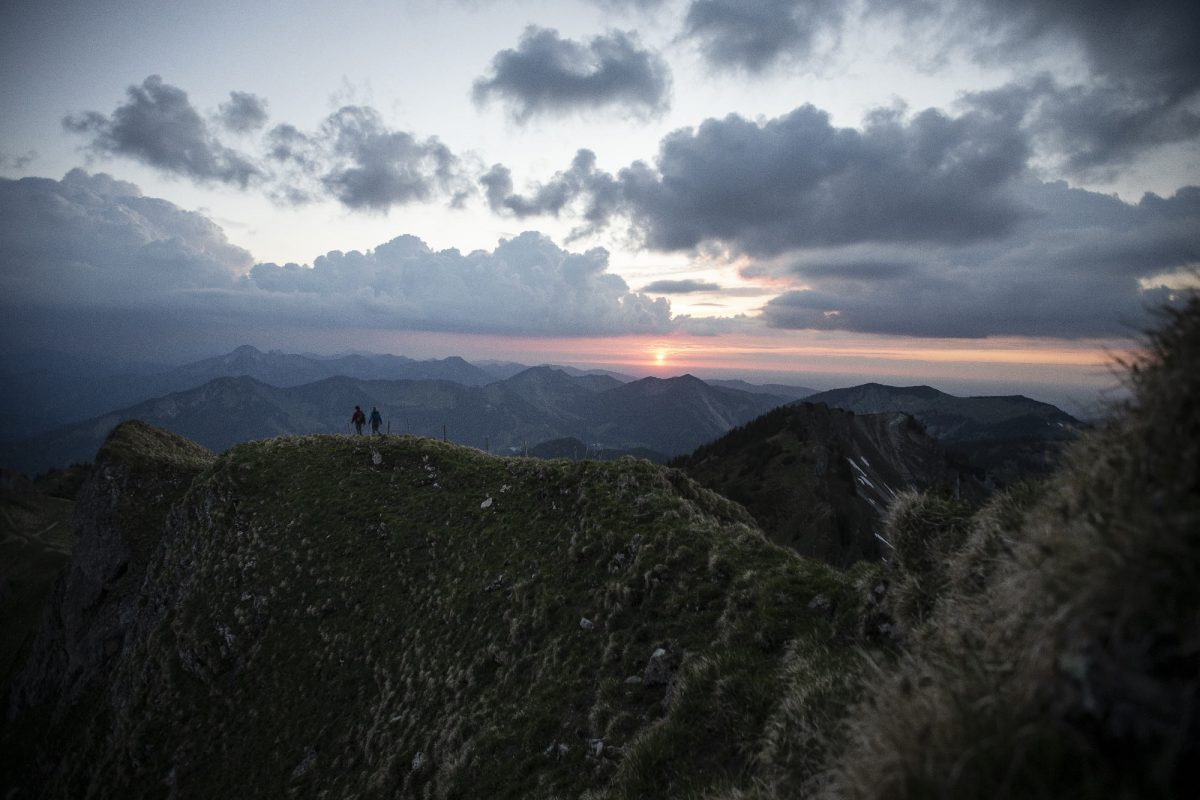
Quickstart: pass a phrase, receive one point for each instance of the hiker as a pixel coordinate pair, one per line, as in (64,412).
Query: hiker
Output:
(376,420)
(358,418)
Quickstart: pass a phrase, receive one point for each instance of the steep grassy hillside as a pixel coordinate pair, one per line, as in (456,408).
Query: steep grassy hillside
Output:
(350,617)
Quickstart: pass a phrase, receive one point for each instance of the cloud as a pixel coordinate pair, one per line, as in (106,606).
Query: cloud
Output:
(753,35)
(93,241)
(91,250)
(687,286)
(353,155)
(1076,266)
(1139,92)
(643,5)
(1150,44)
(1142,76)
(158,126)
(371,166)
(548,74)
(1091,130)
(243,113)
(17,162)
(599,190)
(526,286)
(767,187)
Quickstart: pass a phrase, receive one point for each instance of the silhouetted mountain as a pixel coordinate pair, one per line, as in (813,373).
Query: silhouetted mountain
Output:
(539,404)
(502,370)
(1006,437)
(818,479)
(675,415)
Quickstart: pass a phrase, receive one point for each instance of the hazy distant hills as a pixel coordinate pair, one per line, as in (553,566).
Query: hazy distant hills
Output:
(1007,437)
(666,416)
(818,479)
(52,389)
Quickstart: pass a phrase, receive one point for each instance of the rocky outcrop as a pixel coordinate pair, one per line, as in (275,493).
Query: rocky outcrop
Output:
(140,473)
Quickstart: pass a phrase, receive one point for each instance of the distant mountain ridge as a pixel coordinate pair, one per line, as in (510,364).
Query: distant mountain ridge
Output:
(668,416)
(1006,437)
(66,391)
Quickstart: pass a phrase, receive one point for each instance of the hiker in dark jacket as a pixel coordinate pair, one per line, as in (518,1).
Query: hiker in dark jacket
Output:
(376,420)
(358,418)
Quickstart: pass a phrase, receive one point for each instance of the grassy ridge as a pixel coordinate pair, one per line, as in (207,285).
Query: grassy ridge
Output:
(363,617)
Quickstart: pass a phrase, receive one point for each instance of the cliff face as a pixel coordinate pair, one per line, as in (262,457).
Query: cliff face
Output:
(372,617)
(119,518)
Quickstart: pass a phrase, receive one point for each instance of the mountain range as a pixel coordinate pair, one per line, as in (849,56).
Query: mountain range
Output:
(668,416)
(1005,438)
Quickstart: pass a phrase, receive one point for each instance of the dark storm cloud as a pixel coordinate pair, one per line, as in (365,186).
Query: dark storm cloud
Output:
(243,113)
(766,187)
(756,34)
(1081,264)
(549,74)
(1143,76)
(796,180)
(374,167)
(1149,44)
(92,247)
(687,286)
(1091,129)
(158,126)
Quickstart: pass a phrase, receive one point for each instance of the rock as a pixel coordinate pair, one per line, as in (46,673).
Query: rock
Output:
(418,761)
(659,669)
(486,503)
(376,457)
(586,623)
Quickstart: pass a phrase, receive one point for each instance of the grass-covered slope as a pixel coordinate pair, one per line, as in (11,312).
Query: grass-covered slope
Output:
(354,617)
(1055,637)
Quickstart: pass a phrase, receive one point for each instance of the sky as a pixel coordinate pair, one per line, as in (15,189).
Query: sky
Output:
(975,194)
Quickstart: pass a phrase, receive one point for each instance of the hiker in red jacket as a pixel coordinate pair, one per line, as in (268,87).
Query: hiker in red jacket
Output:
(359,419)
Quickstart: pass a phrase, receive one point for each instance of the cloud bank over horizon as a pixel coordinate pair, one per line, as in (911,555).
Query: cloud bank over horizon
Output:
(90,242)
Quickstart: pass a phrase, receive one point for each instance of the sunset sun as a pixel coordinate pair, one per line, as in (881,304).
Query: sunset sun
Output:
(660,357)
